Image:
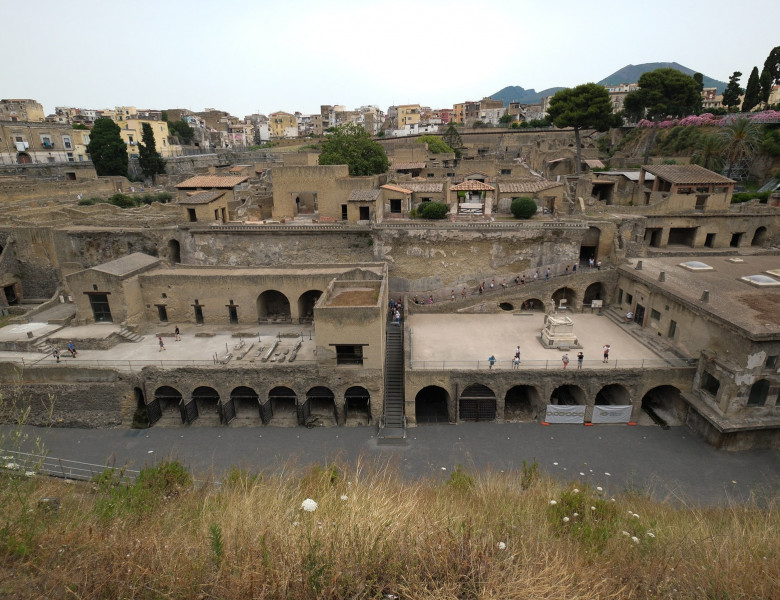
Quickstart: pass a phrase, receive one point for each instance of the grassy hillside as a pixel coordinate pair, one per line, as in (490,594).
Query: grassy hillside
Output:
(374,535)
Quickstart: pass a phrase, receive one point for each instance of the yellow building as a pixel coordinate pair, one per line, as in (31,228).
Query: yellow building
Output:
(41,142)
(408,114)
(283,125)
(131,131)
(18,110)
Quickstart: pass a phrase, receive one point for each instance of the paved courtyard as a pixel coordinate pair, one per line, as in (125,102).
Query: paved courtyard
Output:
(466,341)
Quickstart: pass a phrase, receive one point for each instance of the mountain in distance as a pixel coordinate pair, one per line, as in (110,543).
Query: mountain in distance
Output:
(631,74)
(628,74)
(514,93)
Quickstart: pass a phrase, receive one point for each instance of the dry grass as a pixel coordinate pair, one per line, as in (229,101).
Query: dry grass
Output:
(373,534)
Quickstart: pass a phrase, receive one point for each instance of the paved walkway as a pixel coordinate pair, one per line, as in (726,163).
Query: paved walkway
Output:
(673,465)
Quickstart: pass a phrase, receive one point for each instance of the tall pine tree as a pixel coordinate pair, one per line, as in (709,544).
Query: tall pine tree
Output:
(766,85)
(732,92)
(149,159)
(106,148)
(752,92)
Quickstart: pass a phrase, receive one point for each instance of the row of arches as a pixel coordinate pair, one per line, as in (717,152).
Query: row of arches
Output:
(281,406)
(569,296)
(478,402)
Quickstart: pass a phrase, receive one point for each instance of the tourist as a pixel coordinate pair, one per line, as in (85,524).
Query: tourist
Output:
(517,353)
(176,336)
(566,271)
(56,354)
(72,349)
(162,344)
(565,360)
(591,262)
(503,283)
(547,274)
(492,284)
(536,275)
(491,361)
(598,266)
(522,279)
(516,363)
(629,316)
(481,288)
(574,268)
(430,300)
(606,352)
(463,293)
(580,358)
(517,280)
(452,295)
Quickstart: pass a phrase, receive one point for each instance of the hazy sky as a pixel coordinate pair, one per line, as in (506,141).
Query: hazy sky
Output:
(246,56)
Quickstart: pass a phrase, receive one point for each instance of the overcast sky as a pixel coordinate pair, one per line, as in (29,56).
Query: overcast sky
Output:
(245,56)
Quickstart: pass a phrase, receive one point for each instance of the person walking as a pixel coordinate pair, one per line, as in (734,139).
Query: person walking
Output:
(565,360)
(162,344)
(176,336)
(452,295)
(606,352)
(56,354)
(515,363)
(491,361)
(547,274)
(580,358)
(463,293)
(72,349)
(517,353)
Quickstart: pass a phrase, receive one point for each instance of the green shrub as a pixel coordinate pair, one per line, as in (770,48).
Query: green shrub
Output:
(86,202)
(161,197)
(433,210)
(523,207)
(122,201)
(436,145)
(740,197)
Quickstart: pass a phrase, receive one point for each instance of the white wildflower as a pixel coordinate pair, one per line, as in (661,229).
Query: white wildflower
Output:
(565,519)
(344,497)
(29,473)
(309,505)
(593,508)
(634,539)
(12,465)
(608,474)
(651,534)
(555,463)
(582,474)
(444,468)
(576,515)
(501,546)
(576,491)
(295,523)
(599,489)
(553,502)
(636,516)
(625,533)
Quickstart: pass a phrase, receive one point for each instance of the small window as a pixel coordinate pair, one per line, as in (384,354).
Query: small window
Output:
(672,329)
(629,299)
(620,295)
(655,315)
(709,383)
(191,215)
(349,355)
(771,362)
(66,141)
(506,171)
(395,207)
(758,393)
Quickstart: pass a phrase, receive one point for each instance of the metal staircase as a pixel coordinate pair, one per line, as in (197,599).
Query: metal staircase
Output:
(392,425)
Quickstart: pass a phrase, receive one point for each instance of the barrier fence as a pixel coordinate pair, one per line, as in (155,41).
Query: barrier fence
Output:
(137,365)
(551,365)
(37,464)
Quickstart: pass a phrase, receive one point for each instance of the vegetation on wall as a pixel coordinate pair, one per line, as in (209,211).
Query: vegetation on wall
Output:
(128,200)
(436,145)
(432,210)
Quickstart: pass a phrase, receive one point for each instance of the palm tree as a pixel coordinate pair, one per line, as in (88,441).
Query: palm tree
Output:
(740,139)
(709,153)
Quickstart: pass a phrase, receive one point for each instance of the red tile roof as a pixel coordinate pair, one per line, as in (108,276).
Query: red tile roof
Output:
(396,188)
(472,185)
(526,187)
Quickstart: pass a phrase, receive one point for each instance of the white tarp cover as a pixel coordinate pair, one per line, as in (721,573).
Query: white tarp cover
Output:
(611,414)
(565,414)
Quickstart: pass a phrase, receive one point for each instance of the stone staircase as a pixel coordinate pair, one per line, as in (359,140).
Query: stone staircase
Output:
(393,423)
(128,335)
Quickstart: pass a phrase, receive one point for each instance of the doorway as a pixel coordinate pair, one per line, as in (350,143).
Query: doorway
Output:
(639,314)
(100,308)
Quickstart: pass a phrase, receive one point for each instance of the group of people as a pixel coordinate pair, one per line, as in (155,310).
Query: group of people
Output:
(71,350)
(564,358)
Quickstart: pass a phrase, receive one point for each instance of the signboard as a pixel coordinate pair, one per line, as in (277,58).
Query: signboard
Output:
(565,414)
(596,303)
(611,414)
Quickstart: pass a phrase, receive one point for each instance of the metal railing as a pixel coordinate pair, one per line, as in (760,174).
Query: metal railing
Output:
(549,365)
(137,365)
(37,464)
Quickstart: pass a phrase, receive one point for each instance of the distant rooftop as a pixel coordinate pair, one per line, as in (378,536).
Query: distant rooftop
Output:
(527,187)
(212,181)
(127,264)
(687,174)
(202,197)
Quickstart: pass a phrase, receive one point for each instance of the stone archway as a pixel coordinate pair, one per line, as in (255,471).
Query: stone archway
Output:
(532,304)
(206,400)
(760,237)
(281,408)
(174,252)
(23,158)
(664,405)
(273,307)
(431,405)
(568,395)
(522,404)
(613,394)
(565,293)
(246,402)
(589,247)
(357,406)
(320,404)
(595,291)
(477,403)
(306,302)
